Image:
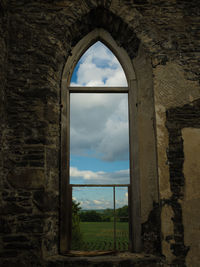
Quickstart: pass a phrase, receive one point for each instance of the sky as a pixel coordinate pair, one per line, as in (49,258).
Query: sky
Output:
(99,142)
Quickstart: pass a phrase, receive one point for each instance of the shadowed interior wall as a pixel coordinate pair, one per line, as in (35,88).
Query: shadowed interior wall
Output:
(3,68)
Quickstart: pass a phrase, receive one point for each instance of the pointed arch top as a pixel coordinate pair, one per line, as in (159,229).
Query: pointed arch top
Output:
(80,48)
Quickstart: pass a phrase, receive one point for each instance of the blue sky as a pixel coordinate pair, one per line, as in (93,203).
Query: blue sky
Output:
(99,145)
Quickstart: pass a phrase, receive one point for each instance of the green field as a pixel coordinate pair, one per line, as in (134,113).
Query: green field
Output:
(100,236)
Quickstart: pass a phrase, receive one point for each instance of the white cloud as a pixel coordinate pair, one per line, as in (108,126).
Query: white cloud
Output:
(98,202)
(95,204)
(87,202)
(99,122)
(100,198)
(99,67)
(88,176)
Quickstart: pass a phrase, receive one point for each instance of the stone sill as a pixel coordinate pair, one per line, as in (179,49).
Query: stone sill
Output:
(125,259)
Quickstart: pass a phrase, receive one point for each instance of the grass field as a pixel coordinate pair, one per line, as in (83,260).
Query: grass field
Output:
(99,236)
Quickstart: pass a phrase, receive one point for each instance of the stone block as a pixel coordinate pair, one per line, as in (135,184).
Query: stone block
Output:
(27,178)
(30,225)
(4,226)
(15,238)
(13,208)
(45,201)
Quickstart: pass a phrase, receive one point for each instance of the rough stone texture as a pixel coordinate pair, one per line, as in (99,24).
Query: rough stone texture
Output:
(167,231)
(190,203)
(36,38)
(178,119)
(27,178)
(4,226)
(3,63)
(151,232)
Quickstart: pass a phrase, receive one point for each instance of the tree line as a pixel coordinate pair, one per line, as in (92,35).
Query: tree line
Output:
(106,215)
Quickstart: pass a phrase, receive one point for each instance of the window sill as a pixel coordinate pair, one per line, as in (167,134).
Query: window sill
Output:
(119,259)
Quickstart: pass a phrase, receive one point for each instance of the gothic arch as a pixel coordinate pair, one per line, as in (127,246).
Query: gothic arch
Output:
(102,35)
(78,50)
(101,24)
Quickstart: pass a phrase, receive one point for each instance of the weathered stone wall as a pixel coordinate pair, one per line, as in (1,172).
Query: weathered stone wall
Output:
(190,203)
(3,61)
(3,67)
(183,123)
(38,38)
(171,92)
(29,207)
(2,70)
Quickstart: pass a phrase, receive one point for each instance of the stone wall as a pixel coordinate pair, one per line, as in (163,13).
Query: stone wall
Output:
(3,61)
(183,166)
(34,47)
(3,67)
(190,208)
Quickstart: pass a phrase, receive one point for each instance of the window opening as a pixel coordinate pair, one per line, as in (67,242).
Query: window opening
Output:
(99,171)
(105,86)
(99,155)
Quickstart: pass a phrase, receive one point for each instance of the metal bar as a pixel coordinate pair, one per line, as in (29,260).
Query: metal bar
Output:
(70,215)
(114,207)
(129,219)
(99,185)
(98,89)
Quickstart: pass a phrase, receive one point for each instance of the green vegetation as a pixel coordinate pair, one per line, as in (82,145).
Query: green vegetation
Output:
(77,237)
(94,230)
(122,214)
(90,216)
(93,216)
(100,236)
(104,215)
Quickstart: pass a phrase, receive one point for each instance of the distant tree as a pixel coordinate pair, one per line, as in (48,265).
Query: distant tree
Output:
(122,213)
(105,218)
(108,212)
(90,216)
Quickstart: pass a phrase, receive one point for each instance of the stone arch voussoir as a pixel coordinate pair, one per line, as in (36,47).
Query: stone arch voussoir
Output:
(101,17)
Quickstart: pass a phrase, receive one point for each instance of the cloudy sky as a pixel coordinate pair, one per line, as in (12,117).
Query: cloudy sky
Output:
(99,145)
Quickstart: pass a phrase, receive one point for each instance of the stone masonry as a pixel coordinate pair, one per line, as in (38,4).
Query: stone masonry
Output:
(36,39)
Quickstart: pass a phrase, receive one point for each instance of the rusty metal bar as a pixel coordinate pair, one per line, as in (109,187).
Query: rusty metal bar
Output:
(99,185)
(114,210)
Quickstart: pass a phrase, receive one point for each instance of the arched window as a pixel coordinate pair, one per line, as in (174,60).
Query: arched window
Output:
(80,88)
